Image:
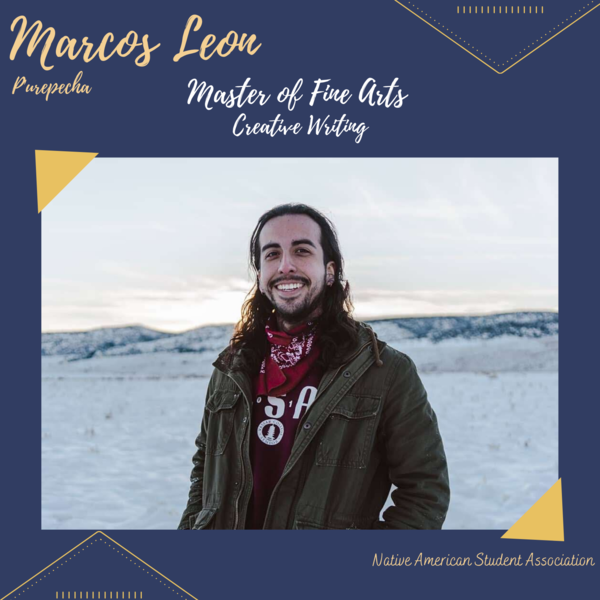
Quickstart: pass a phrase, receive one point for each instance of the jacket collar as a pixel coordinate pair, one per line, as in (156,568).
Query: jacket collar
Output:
(367,342)
(366,337)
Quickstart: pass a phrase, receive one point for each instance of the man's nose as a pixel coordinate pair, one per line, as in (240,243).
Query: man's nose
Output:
(286,264)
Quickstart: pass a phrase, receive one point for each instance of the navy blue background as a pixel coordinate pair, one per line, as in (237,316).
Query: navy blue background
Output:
(547,105)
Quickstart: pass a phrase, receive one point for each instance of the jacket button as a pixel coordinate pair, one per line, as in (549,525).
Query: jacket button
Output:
(347,374)
(307,425)
(244,419)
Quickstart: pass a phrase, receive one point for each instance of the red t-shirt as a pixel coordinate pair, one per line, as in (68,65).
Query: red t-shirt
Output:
(273,429)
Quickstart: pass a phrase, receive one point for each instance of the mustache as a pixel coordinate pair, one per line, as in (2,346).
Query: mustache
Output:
(289,278)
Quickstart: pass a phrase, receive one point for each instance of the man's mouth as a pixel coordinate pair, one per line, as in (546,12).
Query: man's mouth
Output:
(288,287)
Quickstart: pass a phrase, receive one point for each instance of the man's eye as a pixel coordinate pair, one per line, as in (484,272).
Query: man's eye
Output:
(271,254)
(303,251)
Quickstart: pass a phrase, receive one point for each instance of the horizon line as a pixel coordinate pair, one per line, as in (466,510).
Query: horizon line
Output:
(366,320)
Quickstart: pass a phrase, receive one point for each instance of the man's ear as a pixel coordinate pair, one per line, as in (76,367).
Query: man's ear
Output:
(258,283)
(330,272)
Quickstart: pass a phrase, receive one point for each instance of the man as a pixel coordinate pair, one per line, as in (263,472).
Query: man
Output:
(309,419)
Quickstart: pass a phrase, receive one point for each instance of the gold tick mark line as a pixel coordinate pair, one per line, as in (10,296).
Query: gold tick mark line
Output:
(475,56)
(114,542)
(532,10)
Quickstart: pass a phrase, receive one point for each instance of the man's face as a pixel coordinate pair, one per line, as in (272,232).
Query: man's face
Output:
(292,273)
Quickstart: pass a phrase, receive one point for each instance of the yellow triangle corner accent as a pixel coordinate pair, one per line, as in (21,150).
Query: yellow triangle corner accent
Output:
(55,170)
(543,521)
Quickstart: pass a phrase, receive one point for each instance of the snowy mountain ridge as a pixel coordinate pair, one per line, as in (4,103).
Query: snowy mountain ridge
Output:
(213,338)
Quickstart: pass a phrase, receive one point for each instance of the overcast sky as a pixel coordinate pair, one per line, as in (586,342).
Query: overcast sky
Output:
(163,242)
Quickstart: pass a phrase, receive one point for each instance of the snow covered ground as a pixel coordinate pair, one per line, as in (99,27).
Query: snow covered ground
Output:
(118,430)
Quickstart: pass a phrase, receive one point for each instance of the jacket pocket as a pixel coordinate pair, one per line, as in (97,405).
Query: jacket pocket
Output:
(298,524)
(309,516)
(345,440)
(204,518)
(301,523)
(221,408)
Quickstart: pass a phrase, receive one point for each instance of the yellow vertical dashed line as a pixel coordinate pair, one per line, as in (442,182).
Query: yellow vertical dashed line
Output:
(57,594)
(542,10)
(68,594)
(469,10)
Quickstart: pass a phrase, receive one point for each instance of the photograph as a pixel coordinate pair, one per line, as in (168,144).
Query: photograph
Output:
(300,343)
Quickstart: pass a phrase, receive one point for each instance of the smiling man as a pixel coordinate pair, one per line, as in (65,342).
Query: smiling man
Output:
(309,418)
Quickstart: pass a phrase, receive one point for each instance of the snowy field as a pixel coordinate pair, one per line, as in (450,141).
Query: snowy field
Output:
(118,431)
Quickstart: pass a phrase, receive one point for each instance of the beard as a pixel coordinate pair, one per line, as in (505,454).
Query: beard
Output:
(297,313)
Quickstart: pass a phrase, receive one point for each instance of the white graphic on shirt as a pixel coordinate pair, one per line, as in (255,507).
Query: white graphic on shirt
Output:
(271,430)
(272,436)
(306,398)
(279,405)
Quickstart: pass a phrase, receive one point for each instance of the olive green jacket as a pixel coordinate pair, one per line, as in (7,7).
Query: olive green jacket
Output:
(369,427)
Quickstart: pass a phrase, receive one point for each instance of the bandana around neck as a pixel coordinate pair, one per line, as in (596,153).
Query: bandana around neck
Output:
(290,357)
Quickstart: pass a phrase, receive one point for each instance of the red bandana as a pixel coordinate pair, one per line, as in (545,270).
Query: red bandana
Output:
(291,357)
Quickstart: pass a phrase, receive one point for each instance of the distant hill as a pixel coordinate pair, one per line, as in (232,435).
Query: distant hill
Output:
(437,329)
(142,340)
(85,344)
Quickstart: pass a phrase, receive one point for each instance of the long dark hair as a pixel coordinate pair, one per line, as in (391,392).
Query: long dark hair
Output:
(338,331)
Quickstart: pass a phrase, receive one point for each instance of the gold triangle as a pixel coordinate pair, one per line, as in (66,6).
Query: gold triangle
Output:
(55,170)
(38,576)
(543,521)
